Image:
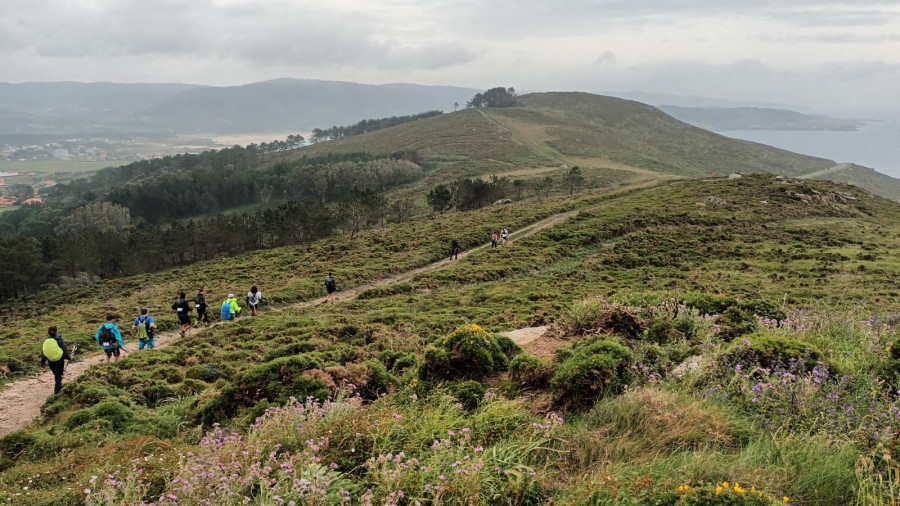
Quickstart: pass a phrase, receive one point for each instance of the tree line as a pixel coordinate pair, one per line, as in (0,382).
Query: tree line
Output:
(466,194)
(367,125)
(101,240)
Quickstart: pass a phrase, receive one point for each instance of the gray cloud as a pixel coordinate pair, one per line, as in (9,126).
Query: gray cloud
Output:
(806,51)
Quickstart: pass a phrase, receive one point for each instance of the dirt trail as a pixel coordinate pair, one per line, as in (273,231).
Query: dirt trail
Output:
(21,401)
(837,168)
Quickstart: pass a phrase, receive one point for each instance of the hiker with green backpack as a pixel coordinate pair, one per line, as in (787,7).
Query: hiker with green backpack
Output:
(54,352)
(109,337)
(145,329)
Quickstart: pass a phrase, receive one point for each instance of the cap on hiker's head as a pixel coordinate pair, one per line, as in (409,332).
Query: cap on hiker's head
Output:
(200,291)
(110,317)
(230,295)
(181,295)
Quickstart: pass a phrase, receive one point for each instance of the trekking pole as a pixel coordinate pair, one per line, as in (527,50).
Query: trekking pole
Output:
(71,357)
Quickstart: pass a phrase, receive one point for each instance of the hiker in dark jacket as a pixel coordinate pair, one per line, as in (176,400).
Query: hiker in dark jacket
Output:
(454,249)
(330,287)
(183,309)
(55,352)
(201,305)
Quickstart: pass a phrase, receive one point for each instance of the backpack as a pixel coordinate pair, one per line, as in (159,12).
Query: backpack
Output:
(330,284)
(52,350)
(254,298)
(144,332)
(182,307)
(107,339)
(199,303)
(226,310)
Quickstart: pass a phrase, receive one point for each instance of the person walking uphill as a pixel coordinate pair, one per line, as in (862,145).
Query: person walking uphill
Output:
(494,240)
(200,305)
(330,287)
(109,337)
(454,249)
(183,309)
(230,308)
(254,297)
(55,353)
(145,329)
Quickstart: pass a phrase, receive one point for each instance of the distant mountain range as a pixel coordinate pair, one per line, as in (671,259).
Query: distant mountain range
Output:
(724,119)
(69,108)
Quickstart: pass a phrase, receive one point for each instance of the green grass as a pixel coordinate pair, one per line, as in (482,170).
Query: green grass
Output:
(640,248)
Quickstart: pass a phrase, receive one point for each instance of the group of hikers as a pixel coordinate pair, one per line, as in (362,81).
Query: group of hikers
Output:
(54,351)
(502,235)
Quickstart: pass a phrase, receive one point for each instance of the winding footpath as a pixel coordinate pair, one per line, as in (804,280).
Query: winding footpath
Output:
(21,400)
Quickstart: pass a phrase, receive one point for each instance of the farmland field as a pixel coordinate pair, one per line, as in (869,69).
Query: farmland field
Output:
(54,166)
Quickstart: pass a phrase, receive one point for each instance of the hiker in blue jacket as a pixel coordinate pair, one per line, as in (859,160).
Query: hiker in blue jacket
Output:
(109,337)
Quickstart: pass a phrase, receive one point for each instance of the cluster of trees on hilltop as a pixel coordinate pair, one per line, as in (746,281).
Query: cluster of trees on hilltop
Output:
(367,125)
(494,97)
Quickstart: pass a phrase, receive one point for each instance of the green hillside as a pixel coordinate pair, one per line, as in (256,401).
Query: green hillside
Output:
(710,342)
(548,129)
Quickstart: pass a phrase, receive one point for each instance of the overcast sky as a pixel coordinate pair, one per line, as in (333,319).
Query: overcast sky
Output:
(829,55)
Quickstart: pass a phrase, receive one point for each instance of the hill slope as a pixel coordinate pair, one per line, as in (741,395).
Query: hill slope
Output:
(634,284)
(547,129)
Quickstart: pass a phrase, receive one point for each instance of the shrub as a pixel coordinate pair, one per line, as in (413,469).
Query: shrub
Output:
(157,392)
(530,371)
(203,372)
(16,443)
(404,363)
(291,349)
(168,373)
(92,394)
(735,322)
(275,381)
(191,387)
(110,414)
(596,315)
(594,370)
(380,380)
(770,351)
(468,353)
(469,393)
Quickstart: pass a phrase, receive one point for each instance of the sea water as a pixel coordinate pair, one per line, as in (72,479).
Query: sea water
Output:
(875,145)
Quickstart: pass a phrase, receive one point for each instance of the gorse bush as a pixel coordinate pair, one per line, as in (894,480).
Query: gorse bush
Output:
(468,352)
(598,367)
(530,371)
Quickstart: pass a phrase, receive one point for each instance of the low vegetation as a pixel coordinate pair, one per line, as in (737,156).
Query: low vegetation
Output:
(733,352)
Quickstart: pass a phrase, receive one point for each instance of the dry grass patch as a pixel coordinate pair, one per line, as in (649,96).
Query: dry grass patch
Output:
(648,423)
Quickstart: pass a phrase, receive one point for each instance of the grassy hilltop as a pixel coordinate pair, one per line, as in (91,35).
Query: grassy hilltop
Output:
(710,342)
(611,139)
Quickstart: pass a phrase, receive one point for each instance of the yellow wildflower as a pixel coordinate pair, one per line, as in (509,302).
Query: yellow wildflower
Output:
(738,489)
(718,490)
(785,499)
(752,490)
(724,484)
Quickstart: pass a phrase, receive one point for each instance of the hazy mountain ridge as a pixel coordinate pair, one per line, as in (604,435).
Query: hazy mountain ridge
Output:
(68,108)
(725,119)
